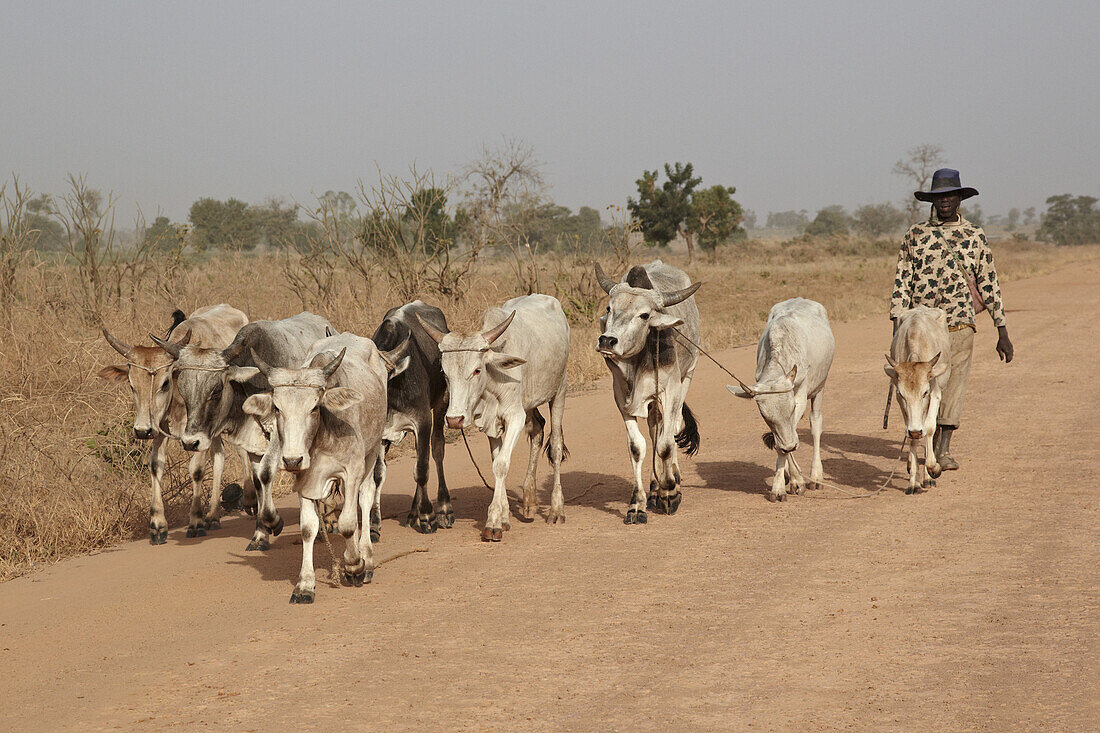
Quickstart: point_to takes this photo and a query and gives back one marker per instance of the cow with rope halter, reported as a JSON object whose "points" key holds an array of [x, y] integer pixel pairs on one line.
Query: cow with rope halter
{"points": [[792, 364], [651, 369], [328, 419], [159, 413], [213, 384]]}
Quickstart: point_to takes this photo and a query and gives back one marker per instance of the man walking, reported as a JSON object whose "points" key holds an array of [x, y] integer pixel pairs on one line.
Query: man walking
{"points": [[946, 263]]}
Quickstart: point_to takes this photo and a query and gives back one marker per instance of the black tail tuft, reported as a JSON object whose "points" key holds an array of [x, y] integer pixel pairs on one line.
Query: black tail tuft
{"points": [[564, 452], [769, 440], [178, 317], [688, 438]]}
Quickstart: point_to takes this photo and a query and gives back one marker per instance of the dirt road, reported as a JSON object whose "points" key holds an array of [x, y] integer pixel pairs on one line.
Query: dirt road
{"points": [[973, 606]]}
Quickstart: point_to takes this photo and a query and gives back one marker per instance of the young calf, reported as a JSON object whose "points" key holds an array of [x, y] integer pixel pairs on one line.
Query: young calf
{"points": [[497, 379], [158, 411], [328, 419], [919, 368], [792, 364]]}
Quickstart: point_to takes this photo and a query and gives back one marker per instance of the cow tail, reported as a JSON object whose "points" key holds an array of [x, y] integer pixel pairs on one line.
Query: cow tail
{"points": [[178, 317], [688, 438]]}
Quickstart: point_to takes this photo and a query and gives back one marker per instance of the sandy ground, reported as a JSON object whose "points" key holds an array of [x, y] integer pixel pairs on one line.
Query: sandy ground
{"points": [[971, 607]]}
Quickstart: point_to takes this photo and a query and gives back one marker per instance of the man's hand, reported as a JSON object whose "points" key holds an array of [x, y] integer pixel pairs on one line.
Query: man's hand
{"points": [[1004, 345]]}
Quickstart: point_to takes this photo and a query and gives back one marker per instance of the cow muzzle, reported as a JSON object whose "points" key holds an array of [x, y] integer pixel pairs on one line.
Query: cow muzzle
{"points": [[190, 444], [915, 434], [456, 423], [292, 463], [143, 433], [606, 345]]}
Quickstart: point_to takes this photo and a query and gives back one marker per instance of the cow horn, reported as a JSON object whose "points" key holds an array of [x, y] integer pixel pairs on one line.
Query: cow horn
{"points": [[333, 365], [262, 365], [494, 333], [185, 340], [431, 330], [117, 345], [605, 282], [396, 354], [678, 296], [173, 349]]}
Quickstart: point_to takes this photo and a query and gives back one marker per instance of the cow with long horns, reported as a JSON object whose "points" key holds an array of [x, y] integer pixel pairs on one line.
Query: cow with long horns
{"points": [[159, 414], [643, 343], [497, 379]]}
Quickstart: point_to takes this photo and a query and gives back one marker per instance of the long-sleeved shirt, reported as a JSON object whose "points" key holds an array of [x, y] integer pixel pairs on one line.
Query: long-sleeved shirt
{"points": [[929, 273]]}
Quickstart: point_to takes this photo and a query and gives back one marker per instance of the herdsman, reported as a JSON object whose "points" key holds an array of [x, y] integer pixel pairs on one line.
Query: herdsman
{"points": [[946, 263]]}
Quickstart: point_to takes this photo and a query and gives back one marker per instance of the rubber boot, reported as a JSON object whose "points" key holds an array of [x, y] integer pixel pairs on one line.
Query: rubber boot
{"points": [[943, 449]]}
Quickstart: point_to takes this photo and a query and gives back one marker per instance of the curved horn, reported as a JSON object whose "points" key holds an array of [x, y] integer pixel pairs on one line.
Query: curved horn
{"points": [[431, 330], [119, 346], [678, 296], [494, 333], [231, 352], [605, 282], [333, 365], [173, 349], [260, 363]]}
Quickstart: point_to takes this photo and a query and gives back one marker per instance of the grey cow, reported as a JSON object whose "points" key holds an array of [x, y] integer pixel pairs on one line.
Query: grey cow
{"points": [[651, 371], [214, 383], [158, 411], [416, 402], [497, 379], [792, 364], [328, 417]]}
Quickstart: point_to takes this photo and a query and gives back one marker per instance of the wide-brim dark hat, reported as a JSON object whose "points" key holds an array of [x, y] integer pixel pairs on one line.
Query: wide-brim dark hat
{"points": [[946, 180]]}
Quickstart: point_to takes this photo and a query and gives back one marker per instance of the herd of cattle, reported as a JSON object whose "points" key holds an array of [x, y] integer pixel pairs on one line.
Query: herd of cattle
{"points": [[325, 406]]}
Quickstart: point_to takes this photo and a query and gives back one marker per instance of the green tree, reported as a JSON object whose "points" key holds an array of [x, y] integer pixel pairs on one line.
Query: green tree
{"points": [[1070, 219], [1029, 216], [41, 216], [878, 220], [832, 221], [714, 216], [663, 212], [162, 234], [277, 221], [229, 223], [796, 220], [427, 209], [1013, 218]]}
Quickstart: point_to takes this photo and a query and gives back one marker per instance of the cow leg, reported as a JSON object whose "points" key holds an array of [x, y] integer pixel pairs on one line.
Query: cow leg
{"points": [[636, 510], [557, 454], [779, 481], [364, 571], [212, 520], [499, 515], [420, 513], [195, 468], [932, 466], [444, 512], [817, 473], [306, 588], [914, 469], [158, 525], [249, 502], [667, 471], [268, 521], [536, 428], [376, 508]]}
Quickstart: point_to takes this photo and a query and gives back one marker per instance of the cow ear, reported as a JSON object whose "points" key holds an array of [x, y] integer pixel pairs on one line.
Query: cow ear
{"points": [[661, 321], [890, 371], [791, 374], [506, 361], [114, 373], [397, 367], [258, 405], [242, 374], [341, 398], [738, 392]]}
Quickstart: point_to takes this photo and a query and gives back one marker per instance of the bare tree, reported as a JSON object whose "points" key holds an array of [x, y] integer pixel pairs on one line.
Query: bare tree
{"points": [[918, 167], [17, 236], [310, 261]]}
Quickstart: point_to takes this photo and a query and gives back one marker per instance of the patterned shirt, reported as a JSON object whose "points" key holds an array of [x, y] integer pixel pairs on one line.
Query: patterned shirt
{"points": [[929, 272]]}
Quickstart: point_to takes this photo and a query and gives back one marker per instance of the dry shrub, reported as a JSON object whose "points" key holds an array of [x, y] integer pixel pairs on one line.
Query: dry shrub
{"points": [[71, 475]]}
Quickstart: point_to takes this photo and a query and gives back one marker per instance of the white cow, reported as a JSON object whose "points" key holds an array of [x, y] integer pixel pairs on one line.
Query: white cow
{"points": [[792, 364], [329, 416], [497, 379], [919, 367]]}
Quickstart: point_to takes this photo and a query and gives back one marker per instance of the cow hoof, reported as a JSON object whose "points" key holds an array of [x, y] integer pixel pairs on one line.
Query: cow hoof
{"points": [[669, 504], [530, 511], [491, 534], [799, 489], [231, 497], [444, 518], [375, 534], [555, 518], [812, 485], [773, 496], [636, 516], [302, 596], [158, 536], [212, 524], [929, 483], [331, 528], [357, 579], [258, 546], [651, 497], [934, 471], [422, 523], [912, 490], [196, 532]]}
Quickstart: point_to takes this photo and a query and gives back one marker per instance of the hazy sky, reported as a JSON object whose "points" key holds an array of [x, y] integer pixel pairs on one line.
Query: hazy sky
{"points": [[797, 105]]}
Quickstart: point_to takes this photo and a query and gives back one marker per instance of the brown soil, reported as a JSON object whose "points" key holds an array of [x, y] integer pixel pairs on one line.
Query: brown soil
{"points": [[973, 606]]}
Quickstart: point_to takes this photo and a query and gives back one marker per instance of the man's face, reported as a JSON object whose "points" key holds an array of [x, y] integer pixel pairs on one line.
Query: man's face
{"points": [[947, 205]]}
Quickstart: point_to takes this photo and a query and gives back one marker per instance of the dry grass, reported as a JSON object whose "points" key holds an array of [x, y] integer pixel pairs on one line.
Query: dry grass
{"points": [[71, 476]]}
